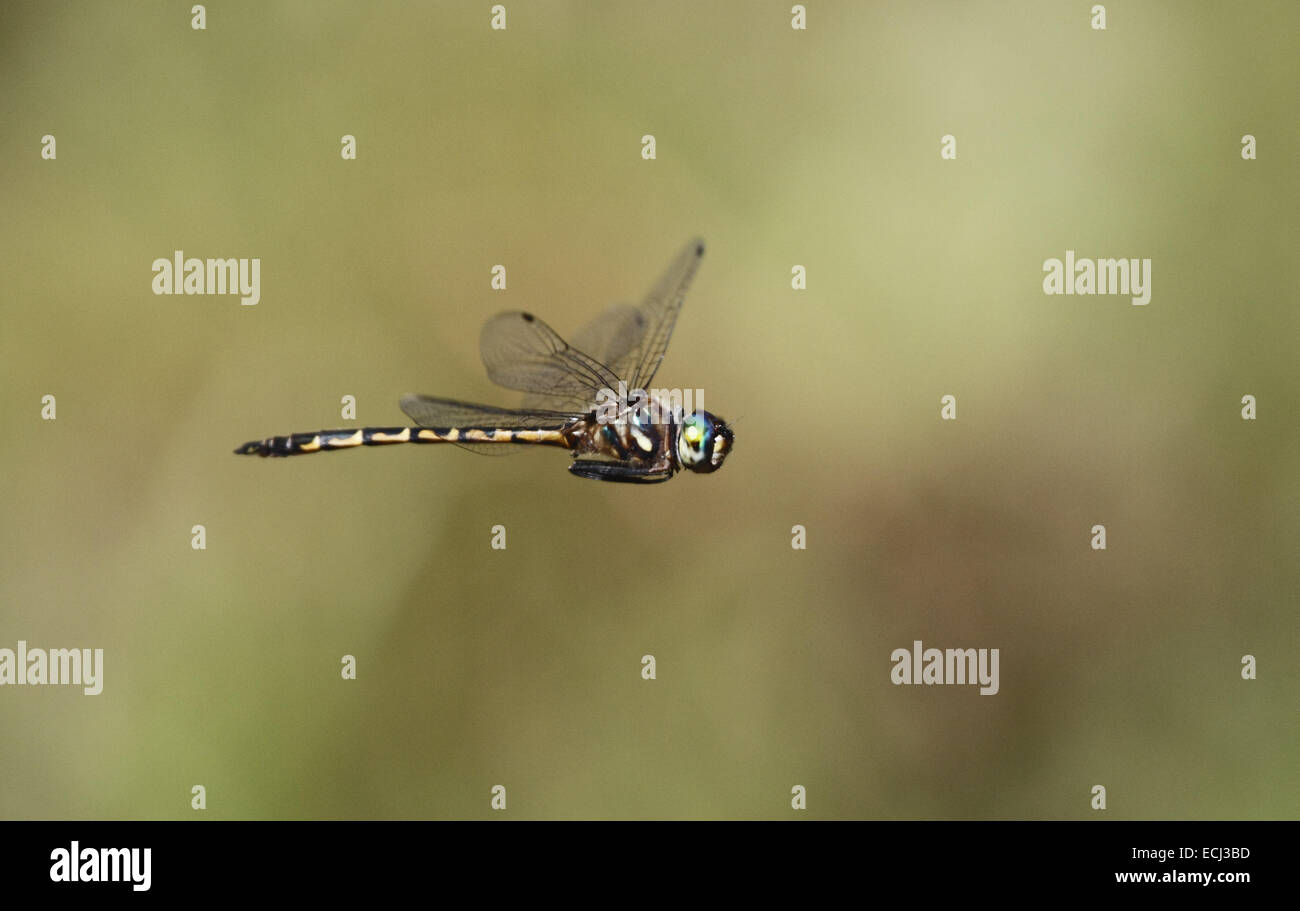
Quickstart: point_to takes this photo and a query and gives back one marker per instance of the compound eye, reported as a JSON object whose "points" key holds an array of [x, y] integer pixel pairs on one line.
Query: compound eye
{"points": [[695, 434], [693, 445]]}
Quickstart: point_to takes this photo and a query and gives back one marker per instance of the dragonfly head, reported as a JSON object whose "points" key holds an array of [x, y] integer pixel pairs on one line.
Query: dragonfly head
{"points": [[704, 442]]}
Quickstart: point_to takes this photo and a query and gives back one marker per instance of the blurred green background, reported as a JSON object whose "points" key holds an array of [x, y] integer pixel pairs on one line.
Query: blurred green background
{"points": [[522, 667]]}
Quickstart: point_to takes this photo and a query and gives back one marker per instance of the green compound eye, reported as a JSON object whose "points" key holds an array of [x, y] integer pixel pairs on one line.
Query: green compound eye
{"points": [[703, 442]]}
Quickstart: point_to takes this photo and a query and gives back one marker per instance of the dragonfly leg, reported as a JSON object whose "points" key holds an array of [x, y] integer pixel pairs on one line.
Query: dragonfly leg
{"points": [[628, 472]]}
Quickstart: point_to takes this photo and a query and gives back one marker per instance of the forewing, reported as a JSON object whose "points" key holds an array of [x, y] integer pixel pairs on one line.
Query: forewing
{"points": [[631, 341], [612, 337], [521, 352]]}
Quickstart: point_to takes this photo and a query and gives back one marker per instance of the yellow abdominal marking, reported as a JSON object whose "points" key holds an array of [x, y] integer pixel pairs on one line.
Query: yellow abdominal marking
{"points": [[482, 436], [451, 435], [476, 435], [313, 446], [402, 437], [355, 440]]}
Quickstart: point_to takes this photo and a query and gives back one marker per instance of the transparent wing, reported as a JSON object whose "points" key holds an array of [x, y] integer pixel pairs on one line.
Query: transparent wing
{"points": [[631, 341], [521, 352], [428, 411], [444, 414], [611, 337]]}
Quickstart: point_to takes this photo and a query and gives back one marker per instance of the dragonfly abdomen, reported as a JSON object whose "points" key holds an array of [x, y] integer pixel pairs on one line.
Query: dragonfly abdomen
{"points": [[330, 440]]}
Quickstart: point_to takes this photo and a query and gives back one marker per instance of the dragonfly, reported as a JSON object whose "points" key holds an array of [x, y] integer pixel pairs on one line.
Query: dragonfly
{"points": [[589, 397]]}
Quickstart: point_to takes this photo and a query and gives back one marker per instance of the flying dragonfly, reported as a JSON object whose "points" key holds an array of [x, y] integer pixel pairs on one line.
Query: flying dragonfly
{"points": [[577, 396]]}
